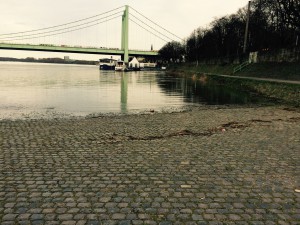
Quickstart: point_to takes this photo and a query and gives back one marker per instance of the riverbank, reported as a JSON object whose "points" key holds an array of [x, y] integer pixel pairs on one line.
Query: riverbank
{"points": [[283, 71], [281, 92], [208, 164]]}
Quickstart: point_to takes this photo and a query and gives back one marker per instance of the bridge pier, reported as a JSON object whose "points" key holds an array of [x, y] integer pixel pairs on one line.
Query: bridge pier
{"points": [[125, 30]]}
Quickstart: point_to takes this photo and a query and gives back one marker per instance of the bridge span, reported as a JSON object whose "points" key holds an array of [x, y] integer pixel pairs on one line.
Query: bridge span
{"points": [[23, 40], [69, 49]]}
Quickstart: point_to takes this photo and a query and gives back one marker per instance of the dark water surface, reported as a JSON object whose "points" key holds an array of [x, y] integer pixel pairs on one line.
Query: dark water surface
{"points": [[31, 90]]}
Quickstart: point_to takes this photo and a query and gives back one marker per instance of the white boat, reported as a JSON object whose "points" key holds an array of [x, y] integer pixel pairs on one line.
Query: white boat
{"points": [[120, 66]]}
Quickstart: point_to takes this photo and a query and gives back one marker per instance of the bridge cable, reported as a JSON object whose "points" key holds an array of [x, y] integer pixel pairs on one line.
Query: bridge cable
{"points": [[65, 31], [148, 30], [157, 24], [151, 27], [47, 28], [34, 34]]}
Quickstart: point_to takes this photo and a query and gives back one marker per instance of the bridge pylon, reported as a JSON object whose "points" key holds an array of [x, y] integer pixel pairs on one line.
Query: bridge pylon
{"points": [[125, 30]]}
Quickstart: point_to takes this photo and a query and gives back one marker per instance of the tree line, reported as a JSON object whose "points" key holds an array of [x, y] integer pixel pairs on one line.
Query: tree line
{"points": [[273, 24]]}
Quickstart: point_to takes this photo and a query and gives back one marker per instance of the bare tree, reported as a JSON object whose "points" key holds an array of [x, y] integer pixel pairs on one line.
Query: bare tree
{"points": [[290, 11], [273, 24]]}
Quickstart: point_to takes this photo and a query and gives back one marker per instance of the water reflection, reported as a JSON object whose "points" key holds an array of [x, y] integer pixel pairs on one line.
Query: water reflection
{"points": [[28, 90], [205, 92], [124, 88]]}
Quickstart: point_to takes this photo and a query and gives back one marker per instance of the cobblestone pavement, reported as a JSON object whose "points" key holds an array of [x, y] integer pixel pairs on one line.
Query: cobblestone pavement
{"points": [[204, 166]]}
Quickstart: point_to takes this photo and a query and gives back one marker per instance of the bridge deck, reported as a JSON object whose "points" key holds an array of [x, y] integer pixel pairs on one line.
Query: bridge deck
{"points": [[68, 49]]}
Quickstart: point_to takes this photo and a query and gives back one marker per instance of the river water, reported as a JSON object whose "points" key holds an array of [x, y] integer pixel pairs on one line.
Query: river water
{"points": [[32, 90]]}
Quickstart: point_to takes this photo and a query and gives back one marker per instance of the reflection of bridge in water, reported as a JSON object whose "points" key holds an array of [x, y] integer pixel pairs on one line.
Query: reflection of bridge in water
{"points": [[124, 92], [8, 41]]}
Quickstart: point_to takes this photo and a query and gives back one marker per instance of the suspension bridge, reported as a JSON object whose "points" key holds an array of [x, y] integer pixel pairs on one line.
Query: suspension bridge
{"points": [[127, 14]]}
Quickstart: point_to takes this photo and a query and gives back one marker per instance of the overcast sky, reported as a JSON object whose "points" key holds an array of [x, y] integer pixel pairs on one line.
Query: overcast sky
{"points": [[180, 17]]}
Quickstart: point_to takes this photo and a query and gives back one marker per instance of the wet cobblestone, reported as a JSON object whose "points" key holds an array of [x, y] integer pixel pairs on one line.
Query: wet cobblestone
{"points": [[204, 166]]}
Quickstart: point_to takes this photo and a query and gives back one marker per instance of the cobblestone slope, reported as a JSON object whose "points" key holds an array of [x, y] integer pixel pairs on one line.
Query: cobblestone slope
{"points": [[230, 165]]}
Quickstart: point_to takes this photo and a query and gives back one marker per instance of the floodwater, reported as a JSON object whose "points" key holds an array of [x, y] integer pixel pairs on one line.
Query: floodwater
{"points": [[32, 90]]}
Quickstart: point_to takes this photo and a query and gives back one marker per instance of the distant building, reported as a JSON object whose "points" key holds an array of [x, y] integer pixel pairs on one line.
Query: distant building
{"points": [[148, 65], [67, 58], [141, 59], [134, 63], [141, 63]]}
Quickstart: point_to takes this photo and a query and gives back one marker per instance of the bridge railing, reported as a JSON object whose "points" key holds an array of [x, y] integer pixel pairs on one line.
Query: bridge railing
{"points": [[74, 46]]}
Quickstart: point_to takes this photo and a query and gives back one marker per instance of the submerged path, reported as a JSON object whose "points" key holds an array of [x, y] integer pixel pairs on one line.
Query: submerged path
{"points": [[209, 165], [258, 79]]}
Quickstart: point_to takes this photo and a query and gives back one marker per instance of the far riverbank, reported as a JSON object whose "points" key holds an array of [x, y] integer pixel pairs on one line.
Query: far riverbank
{"points": [[48, 60]]}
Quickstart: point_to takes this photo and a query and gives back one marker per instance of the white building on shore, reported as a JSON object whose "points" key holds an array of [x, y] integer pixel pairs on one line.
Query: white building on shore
{"points": [[134, 63]]}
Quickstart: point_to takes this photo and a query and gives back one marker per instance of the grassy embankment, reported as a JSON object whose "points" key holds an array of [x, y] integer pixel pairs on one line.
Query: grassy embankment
{"points": [[284, 71], [283, 93]]}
